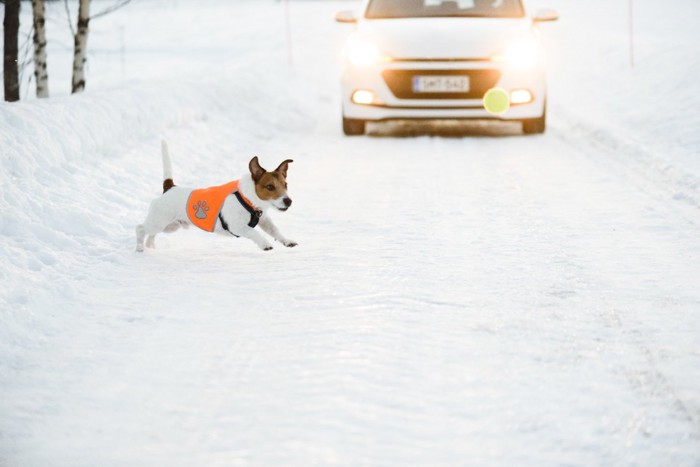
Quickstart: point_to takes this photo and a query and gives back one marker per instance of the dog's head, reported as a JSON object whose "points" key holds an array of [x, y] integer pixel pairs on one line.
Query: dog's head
{"points": [[271, 186]]}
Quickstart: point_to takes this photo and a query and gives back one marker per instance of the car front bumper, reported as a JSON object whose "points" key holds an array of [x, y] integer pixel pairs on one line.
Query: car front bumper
{"points": [[387, 106]]}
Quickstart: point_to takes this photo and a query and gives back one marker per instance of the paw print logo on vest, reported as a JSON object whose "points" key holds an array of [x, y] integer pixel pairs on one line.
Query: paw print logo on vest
{"points": [[201, 209]]}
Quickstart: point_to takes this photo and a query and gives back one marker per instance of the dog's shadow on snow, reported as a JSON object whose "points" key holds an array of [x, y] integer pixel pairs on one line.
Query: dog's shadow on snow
{"points": [[445, 128]]}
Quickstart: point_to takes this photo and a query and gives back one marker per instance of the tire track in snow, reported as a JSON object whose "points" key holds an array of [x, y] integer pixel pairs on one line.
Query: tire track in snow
{"points": [[634, 165], [615, 151], [649, 382]]}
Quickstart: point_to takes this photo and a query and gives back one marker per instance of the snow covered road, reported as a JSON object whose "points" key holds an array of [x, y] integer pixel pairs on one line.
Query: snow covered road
{"points": [[461, 295]]}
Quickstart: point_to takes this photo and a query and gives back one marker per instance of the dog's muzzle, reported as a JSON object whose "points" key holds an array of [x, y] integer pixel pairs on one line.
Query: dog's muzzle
{"points": [[287, 202]]}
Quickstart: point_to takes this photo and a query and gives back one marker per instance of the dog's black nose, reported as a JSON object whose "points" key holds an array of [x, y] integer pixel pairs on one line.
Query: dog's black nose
{"points": [[287, 201]]}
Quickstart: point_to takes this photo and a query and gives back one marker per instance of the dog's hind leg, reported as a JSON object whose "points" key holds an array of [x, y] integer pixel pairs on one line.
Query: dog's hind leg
{"points": [[140, 234], [151, 228], [173, 226], [156, 222], [151, 241]]}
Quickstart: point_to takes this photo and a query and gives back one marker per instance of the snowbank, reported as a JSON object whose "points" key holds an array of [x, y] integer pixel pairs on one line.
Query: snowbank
{"points": [[646, 109]]}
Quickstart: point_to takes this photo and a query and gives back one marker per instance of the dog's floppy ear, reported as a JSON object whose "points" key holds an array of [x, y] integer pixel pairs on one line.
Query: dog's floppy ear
{"points": [[283, 167], [255, 170]]}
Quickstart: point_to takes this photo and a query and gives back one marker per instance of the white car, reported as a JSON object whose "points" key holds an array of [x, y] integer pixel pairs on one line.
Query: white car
{"points": [[436, 59]]}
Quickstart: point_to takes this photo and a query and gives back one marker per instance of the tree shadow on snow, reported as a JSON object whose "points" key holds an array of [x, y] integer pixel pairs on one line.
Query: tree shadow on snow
{"points": [[445, 128]]}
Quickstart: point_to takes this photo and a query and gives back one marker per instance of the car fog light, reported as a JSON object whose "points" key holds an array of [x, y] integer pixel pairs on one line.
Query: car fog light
{"points": [[520, 96], [363, 96]]}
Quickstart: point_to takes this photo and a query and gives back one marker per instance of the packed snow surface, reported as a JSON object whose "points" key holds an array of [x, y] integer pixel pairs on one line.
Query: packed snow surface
{"points": [[461, 294]]}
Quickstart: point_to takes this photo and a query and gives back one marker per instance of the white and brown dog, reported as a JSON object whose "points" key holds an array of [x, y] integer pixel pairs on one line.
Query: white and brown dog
{"points": [[232, 209]]}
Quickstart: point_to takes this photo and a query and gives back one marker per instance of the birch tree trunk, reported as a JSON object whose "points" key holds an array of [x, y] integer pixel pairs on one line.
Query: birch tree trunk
{"points": [[40, 73], [80, 53], [10, 68]]}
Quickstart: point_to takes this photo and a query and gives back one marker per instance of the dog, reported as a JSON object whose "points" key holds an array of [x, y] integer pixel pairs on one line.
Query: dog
{"points": [[233, 209]]}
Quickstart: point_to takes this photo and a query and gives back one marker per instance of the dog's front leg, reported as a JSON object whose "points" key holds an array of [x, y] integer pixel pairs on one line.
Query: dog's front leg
{"points": [[255, 236], [272, 230]]}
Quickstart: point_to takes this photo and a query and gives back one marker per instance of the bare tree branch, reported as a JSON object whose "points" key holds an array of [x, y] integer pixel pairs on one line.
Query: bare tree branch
{"points": [[70, 24], [116, 6], [26, 45]]}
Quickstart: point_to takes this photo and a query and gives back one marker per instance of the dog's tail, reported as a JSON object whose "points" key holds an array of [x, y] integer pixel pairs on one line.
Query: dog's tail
{"points": [[168, 182]]}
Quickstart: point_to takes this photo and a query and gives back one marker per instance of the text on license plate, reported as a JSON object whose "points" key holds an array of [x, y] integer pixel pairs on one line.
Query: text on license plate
{"points": [[441, 84]]}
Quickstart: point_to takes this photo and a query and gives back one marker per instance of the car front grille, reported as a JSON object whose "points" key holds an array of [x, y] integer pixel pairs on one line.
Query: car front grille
{"points": [[400, 83]]}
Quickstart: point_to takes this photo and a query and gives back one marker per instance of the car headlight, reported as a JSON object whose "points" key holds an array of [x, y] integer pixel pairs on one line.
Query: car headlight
{"points": [[521, 55], [362, 53]]}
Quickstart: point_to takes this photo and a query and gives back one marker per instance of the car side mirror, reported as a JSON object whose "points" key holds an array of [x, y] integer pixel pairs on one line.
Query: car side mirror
{"points": [[545, 15], [347, 16]]}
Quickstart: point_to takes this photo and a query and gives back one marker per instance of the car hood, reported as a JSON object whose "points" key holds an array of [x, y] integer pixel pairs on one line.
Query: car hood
{"points": [[442, 38]]}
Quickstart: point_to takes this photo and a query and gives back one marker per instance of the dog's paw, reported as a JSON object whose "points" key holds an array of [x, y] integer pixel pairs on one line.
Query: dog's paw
{"points": [[139, 249], [286, 242], [263, 244]]}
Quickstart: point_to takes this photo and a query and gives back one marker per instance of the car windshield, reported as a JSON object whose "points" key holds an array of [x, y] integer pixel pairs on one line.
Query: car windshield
{"points": [[382, 9]]}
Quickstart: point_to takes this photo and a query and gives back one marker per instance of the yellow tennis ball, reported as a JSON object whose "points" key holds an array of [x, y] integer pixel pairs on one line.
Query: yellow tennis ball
{"points": [[496, 101]]}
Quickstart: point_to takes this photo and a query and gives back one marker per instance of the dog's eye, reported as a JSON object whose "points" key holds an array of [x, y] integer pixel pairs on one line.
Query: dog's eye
{"points": [[270, 187]]}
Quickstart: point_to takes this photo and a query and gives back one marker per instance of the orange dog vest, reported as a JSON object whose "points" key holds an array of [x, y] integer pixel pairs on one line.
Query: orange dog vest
{"points": [[204, 206]]}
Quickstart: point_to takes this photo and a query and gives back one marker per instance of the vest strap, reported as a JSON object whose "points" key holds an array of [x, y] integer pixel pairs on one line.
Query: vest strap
{"points": [[224, 224], [255, 214]]}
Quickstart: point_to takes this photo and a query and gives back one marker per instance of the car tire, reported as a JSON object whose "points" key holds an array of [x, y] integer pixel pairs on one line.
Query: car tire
{"points": [[535, 126], [353, 127]]}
